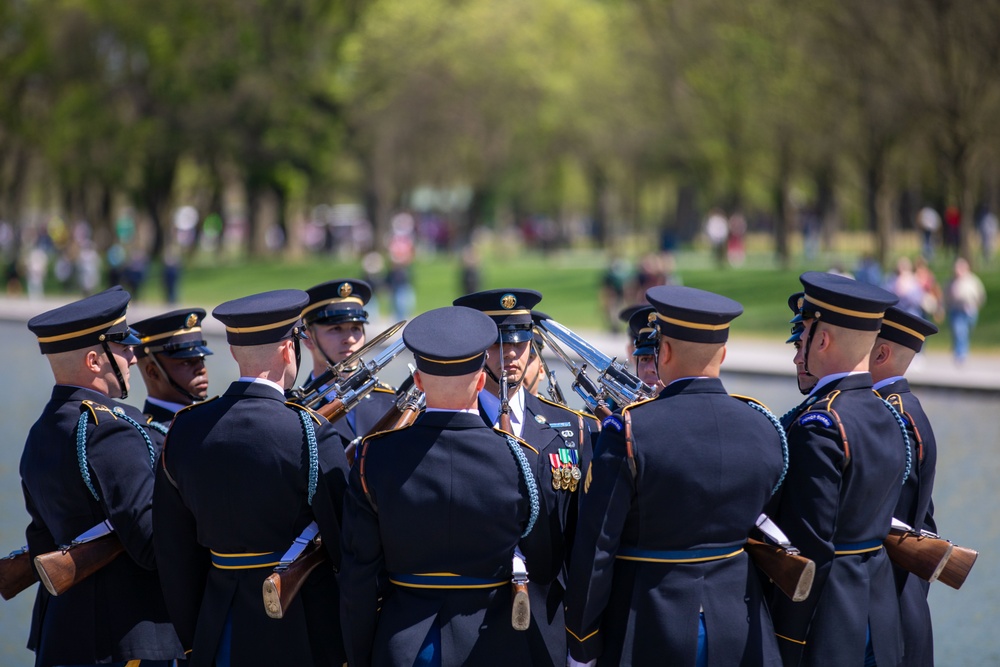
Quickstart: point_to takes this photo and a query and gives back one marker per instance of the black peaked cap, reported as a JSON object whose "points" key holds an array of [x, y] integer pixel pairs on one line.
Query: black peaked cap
{"points": [[450, 341], [89, 321], [691, 314], [262, 318]]}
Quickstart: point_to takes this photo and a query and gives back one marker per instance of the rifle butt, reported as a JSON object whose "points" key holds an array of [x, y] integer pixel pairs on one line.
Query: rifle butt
{"points": [[919, 554], [520, 612], [16, 573], [62, 569], [283, 585], [792, 573], [957, 569]]}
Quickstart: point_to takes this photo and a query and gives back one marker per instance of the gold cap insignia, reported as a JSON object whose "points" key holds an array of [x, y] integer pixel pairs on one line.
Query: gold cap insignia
{"points": [[345, 290], [508, 301], [801, 300], [652, 317], [191, 320]]}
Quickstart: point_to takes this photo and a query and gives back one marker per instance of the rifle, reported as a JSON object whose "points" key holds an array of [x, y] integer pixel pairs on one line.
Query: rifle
{"points": [[790, 571], [16, 573], [520, 610], [312, 393], [593, 397], [350, 392], [403, 412], [921, 553], [623, 386], [504, 416], [67, 566], [553, 389], [958, 566], [285, 582]]}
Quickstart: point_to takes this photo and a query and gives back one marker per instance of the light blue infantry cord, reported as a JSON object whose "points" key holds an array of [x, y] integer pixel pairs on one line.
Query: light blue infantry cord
{"points": [[906, 438], [81, 453], [81, 446], [786, 418], [310, 430], [784, 441], [529, 480], [159, 427]]}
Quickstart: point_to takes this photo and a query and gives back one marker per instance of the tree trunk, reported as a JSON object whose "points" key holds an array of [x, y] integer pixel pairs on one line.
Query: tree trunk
{"points": [[782, 212]]}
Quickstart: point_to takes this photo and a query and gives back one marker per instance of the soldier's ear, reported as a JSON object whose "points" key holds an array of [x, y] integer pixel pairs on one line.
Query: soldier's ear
{"points": [[480, 381], [92, 361]]}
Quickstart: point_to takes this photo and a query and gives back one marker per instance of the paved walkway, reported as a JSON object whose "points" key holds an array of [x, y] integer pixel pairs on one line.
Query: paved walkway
{"points": [[745, 355]]}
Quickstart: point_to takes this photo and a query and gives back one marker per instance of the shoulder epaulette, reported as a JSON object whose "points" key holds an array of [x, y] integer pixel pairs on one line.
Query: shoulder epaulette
{"points": [[523, 443], [564, 407], [896, 401], [750, 399], [317, 417], [186, 408], [95, 408], [361, 462]]}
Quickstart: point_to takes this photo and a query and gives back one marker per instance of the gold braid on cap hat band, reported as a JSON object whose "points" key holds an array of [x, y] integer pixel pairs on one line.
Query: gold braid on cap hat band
{"points": [[506, 312], [83, 332], [169, 334], [263, 327], [692, 325], [843, 311], [351, 299], [450, 361], [916, 334]]}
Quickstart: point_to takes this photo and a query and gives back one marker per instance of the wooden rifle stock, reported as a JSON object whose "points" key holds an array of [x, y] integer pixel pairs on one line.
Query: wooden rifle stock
{"points": [[520, 611], [922, 554], [62, 569], [958, 566], [282, 585], [333, 410], [791, 572], [16, 573]]}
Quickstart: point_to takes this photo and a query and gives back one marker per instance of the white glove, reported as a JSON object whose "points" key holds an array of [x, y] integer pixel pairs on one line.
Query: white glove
{"points": [[570, 662]]}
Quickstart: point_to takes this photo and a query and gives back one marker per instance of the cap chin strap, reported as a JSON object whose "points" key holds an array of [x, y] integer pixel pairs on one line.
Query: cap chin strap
{"points": [[510, 385], [809, 341], [173, 383], [118, 371], [298, 355]]}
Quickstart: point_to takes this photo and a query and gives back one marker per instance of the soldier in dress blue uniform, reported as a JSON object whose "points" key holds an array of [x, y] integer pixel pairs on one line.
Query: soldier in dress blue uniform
{"points": [[642, 343], [562, 438], [87, 460], [433, 515], [847, 460], [902, 336], [805, 380], [171, 359], [335, 321], [659, 573], [242, 476]]}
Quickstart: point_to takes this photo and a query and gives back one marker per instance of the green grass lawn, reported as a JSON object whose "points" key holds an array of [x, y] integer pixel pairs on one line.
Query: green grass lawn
{"points": [[568, 280]]}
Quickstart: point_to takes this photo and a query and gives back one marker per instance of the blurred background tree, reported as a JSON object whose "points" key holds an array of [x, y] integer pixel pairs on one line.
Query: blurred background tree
{"points": [[609, 119]]}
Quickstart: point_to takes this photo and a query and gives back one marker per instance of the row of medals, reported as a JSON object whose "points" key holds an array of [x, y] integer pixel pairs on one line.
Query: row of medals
{"points": [[566, 477]]}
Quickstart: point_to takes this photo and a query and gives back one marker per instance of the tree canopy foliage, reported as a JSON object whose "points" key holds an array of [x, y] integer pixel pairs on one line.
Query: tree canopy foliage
{"points": [[636, 114]]}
